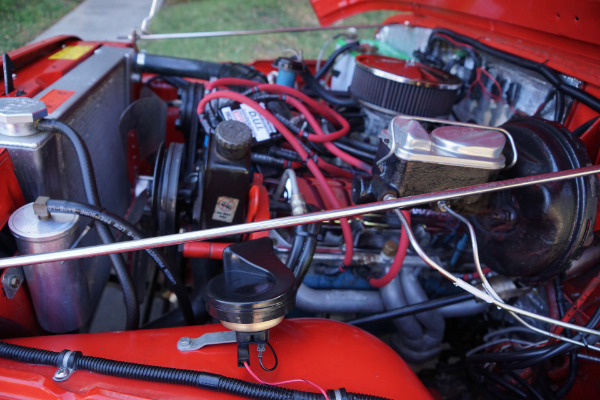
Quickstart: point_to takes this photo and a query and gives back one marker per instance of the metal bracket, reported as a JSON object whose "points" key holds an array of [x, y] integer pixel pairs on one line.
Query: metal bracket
{"points": [[208, 339], [12, 279]]}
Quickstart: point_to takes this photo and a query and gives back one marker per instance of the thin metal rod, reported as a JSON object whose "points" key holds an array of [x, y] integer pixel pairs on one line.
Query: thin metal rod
{"points": [[405, 202], [196, 35]]}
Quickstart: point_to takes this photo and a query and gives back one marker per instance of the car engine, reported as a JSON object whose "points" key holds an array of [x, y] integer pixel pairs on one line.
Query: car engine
{"points": [[425, 186]]}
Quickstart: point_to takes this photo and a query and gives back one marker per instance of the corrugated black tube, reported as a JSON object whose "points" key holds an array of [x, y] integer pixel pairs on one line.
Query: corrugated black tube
{"points": [[151, 373], [27, 354]]}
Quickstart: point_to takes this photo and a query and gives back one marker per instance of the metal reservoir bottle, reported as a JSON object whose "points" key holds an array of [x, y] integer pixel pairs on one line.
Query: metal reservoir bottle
{"points": [[59, 290], [227, 179]]}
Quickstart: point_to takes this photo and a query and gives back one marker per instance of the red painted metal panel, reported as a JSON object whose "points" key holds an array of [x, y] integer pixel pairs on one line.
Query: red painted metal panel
{"points": [[331, 354], [37, 65], [575, 20], [528, 29]]}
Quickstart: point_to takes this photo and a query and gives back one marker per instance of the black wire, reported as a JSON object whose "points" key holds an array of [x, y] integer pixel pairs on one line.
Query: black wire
{"points": [[525, 384], [545, 102], [558, 292], [413, 309], [358, 153], [502, 382], [581, 129], [331, 59], [573, 370], [125, 227], [559, 107], [91, 193], [526, 358], [328, 96], [260, 361]]}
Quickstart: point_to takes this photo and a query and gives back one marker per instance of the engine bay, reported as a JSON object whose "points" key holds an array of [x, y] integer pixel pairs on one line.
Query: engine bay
{"points": [[424, 186]]}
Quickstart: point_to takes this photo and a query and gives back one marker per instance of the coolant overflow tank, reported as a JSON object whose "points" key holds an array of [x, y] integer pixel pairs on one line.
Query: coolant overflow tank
{"points": [[59, 290]]}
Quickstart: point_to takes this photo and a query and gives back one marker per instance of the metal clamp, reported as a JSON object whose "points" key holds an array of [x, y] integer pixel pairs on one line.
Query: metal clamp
{"points": [[66, 365], [12, 279]]}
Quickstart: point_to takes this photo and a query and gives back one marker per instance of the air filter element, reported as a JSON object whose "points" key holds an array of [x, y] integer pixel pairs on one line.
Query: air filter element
{"points": [[397, 86]]}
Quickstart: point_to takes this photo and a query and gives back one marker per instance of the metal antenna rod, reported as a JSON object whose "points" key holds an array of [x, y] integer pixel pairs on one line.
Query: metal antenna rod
{"points": [[179, 238]]}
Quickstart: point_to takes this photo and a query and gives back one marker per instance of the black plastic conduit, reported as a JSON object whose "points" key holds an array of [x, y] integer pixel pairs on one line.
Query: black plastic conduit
{"points": [[121, 225], [204, 380], [91, 193]]}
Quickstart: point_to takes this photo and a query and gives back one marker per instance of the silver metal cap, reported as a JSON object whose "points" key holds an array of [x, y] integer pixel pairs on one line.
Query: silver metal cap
{"points": [[462, 146], [26, 226], [18, 115]]}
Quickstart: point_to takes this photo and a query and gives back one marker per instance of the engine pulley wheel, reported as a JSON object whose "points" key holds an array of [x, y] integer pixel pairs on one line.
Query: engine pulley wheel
{"points": [[166, 184]]}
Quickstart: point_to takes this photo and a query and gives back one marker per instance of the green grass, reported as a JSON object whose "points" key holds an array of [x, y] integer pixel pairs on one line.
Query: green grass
{"points": [[216, 15], [22, 21]]}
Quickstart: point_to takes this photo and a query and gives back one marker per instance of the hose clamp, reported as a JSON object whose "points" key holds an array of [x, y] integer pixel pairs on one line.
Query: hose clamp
{"points": [[66, 365]]}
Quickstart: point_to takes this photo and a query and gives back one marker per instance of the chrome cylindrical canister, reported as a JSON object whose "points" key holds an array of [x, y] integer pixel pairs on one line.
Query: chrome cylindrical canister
{"points": [[59, 290]]}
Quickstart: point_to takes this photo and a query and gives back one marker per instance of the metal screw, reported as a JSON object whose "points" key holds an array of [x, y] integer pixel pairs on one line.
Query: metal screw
{"points": [[14, 282], [61, 373], [184, 341]]}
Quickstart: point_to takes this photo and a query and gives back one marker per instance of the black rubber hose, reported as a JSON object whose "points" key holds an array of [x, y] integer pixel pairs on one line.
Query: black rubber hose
{"points": [[91, 193], [573, 370], [126, 228], [548, 73], [314, 85], [185, 67], [308, 252], [413, 309], [151, 373], [331, 60], [300, 236]]}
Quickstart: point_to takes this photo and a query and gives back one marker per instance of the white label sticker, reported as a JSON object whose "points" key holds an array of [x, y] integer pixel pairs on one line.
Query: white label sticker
{"points": [[261, 128], [225, 209]]}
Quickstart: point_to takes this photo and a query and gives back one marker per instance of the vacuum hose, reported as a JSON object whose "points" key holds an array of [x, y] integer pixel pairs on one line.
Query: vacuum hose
{"points": [[91, 193]]}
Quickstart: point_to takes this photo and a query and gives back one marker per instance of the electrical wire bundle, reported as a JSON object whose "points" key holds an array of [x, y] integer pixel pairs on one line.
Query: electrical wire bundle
{"points": [[298, 139]]}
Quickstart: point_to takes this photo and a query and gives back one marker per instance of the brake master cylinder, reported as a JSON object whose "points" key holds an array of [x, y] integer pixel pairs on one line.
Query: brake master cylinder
{"points": [[411, 161]]}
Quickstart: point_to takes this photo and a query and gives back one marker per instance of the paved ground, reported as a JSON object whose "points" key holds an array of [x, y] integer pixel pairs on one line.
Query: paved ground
{"points": [[109, 20]]}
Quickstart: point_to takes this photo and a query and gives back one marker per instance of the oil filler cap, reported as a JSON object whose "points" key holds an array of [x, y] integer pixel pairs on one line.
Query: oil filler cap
{"points": [[255, 290]]}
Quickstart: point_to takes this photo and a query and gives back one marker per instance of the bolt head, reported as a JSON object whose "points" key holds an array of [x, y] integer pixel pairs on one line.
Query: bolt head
{"points": [[184, 341], [14, 282]]}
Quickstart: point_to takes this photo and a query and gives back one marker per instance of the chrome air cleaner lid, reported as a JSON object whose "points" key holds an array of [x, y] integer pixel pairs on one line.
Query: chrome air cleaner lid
{"points": [[397, 86]]}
